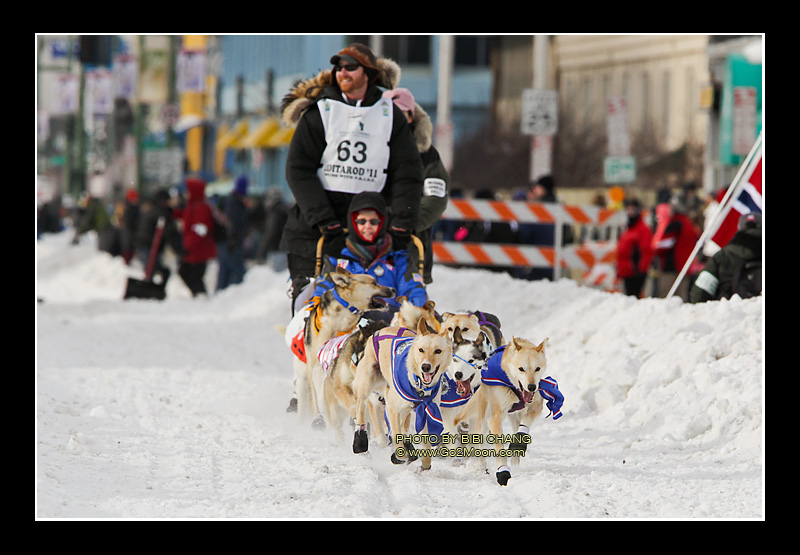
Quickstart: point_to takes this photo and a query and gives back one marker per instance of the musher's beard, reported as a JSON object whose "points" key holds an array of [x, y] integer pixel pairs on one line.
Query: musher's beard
{"points": [[351, 82]]}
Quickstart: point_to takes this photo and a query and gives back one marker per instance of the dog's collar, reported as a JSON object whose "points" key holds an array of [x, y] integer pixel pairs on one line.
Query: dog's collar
{"points": [[422, 391], [344, 303]]}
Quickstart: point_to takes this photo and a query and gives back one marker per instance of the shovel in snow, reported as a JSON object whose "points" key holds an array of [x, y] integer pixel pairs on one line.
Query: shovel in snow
{"points": [[146, 288]]}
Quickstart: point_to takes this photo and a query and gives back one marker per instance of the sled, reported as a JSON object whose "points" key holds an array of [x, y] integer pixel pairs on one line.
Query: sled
{"points": [[146, 288]]}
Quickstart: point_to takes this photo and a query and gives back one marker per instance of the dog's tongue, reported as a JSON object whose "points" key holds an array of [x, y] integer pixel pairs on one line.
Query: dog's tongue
{"points": [[427, 377], [463, 387], [527, 396]]}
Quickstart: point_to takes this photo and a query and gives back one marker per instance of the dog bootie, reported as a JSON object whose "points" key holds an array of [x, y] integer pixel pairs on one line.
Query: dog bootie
{"points": [[520, 440], [503, 475], [408, 449], [360, 442]]}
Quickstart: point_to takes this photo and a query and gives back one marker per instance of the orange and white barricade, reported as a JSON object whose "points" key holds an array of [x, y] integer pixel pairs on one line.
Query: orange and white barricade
{"points": [[579, 256]]}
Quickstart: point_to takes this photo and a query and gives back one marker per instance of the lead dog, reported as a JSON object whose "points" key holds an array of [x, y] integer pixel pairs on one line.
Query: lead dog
{"points": [[509, 383], [338, 386], [337, 312], [411, 365], [475, 337]]}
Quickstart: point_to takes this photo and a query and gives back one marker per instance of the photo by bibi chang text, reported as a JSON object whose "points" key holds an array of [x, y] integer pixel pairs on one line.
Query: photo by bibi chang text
{"points": [[465, 449]]}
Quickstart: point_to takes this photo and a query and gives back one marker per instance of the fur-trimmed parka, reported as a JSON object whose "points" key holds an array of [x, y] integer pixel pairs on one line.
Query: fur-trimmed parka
{"points": [[314, 206], [436, 183]]}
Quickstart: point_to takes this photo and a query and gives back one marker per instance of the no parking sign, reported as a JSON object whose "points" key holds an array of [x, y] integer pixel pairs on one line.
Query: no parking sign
{"points": [[539, 112]]}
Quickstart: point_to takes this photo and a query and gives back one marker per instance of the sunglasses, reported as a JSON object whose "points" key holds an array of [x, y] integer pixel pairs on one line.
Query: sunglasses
{"points": [[373, 221], [349, 67]]}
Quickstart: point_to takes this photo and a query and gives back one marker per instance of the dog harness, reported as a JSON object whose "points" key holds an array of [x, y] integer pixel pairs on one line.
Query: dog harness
{"points": [[493, 374], [426, 411], [297, 344], [344, 303], [330, 350], [483, 320]]}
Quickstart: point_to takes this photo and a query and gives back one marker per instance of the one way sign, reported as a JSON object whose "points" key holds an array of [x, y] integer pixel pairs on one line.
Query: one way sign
{"points": [[539, 112]]}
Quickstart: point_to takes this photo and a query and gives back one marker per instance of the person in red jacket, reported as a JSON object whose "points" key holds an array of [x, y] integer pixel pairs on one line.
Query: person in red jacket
{"points": [[673, 241], [634, 250], [198, 240]]}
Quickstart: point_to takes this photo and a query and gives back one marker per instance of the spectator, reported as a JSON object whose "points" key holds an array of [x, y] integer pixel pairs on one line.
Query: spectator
{"points": [[275, 216], [634, 250], [157, 209], [349, 139], [95, 217], [736, 268], [198, 241], [230, 251], [49, 218], [128, 225], [673, 242]]}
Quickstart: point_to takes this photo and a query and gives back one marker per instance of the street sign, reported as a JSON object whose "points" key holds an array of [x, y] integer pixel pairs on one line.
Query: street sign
{"points": [[744, 120], [619, 169], [617, 124], [539, 112]]}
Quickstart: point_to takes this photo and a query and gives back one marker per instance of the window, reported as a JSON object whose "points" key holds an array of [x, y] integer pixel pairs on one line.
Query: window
{"points": [[403, 49], [472, 51]]}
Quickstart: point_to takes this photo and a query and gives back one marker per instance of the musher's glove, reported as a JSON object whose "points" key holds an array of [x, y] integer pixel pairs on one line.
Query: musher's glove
{"points": [[330, 229], [401, 236]]}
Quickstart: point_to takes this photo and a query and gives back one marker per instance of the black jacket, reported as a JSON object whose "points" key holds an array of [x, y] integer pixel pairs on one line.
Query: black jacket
{"points": [[146, 229], [313, 204], [718, 278]]}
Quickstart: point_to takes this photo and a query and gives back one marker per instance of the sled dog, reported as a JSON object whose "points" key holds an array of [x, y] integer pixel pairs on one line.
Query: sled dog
{"points": [[411, 365], [509, 383], [338, 386], [475, 336], [337, 313], [337, 389], [473, 324], [409, 315], [490, 330]]}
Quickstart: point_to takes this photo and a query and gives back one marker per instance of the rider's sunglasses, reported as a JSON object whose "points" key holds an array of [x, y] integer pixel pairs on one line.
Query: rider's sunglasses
{"points": [[373, 221], [349, 67]]}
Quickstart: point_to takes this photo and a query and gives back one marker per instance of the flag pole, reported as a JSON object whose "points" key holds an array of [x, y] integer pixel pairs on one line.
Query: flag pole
{"points": [[735, 184]]}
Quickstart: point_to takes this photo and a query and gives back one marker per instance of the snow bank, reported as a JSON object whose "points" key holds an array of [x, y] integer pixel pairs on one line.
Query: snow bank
{"points": [[176, 409]]}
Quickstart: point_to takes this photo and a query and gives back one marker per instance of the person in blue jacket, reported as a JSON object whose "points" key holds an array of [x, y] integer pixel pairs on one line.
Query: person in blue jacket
{"points": [[367, 249]]}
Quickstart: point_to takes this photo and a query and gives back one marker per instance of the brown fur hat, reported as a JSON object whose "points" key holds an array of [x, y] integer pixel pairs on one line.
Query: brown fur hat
{"points": [[360, 54]]}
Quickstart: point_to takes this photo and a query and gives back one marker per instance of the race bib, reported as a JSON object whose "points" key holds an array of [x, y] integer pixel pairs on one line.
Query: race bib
{"points": [[357, 152]]}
